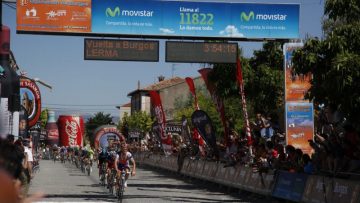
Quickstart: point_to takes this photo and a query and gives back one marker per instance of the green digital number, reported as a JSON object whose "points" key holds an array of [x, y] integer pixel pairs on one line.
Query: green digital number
{"points": [[196, 18]]}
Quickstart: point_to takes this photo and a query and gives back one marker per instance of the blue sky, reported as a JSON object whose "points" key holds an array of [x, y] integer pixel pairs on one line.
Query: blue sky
{"points": [[87, 87]]}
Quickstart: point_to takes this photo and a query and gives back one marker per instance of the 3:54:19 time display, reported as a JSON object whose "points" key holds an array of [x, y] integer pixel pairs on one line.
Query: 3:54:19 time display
{"points": [[196, 18]]}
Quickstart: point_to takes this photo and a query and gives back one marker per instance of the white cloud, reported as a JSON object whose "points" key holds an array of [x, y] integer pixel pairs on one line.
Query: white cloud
{"points": [[166, 31], [231, 31]]}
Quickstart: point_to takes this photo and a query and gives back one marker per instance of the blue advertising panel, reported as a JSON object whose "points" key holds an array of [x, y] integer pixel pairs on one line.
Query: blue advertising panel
{"points": [[300, 125], [195, 19], [290, 186]]}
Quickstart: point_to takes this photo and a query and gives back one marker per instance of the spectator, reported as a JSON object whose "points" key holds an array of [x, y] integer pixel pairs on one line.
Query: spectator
{"points": [[307, 164]]}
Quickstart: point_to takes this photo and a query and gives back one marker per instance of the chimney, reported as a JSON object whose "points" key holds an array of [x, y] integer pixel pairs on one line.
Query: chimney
{"points": [[138, 84], [161, 78]]}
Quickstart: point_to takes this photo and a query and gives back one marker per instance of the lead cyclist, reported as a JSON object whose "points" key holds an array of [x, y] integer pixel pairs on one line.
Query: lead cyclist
{"points": [[122, 162]]}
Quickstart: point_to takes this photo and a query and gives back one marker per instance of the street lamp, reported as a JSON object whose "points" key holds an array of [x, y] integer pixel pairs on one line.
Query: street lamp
{"points": [[43, 83]]}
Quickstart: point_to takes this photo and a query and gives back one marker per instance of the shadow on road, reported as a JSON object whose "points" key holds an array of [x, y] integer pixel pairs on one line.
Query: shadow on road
{"points": [[86, 196]]}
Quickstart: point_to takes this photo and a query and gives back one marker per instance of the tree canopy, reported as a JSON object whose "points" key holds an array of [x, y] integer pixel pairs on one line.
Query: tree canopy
{"points": [[334, 60]]}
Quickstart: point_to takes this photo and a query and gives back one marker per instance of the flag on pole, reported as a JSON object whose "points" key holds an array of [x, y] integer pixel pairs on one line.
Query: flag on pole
{"points": [[160, 117], [191, 85], [217, 100], [239, 77]]}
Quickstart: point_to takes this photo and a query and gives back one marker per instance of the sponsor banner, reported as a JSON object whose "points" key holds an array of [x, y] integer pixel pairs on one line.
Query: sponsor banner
{"points": [[203, 124], [161, 121], [30, 97], [290, 186], [107, 134], [72, 16], [173, 128], [134, 133], [161, 18], [296, 85], [196, 19], [300, 125], [190, 83], [219, 104]]}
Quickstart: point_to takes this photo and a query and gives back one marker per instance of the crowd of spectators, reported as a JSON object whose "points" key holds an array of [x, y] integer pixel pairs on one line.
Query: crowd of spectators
{"points": [[16, 160], [336, 152]]}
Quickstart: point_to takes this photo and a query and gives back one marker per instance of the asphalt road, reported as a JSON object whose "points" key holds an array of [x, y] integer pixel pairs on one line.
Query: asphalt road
{"points": [[66, 183]]}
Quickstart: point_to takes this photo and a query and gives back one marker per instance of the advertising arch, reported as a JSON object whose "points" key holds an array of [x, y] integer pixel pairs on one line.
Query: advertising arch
{"points": [[106, 134]]}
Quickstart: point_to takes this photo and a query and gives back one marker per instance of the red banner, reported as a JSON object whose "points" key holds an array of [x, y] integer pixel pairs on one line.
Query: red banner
{"points": [[239, 77], [216, 99], [160, 117], [191, 85]]}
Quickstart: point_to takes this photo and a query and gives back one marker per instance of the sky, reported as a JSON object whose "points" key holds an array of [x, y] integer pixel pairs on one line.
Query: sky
{"points": [[86, 87]]}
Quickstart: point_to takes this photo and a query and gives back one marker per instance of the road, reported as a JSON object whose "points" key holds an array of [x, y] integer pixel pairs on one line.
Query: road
{"points": [[66, 183]]}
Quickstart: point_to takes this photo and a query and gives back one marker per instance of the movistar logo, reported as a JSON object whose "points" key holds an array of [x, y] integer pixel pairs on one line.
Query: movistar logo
{"points": [[112, 13], [259, 16], [132, 13], [247, 17]]}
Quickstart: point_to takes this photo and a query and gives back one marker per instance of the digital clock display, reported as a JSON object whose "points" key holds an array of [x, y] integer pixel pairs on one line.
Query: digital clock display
{"points": [[201, 52]]}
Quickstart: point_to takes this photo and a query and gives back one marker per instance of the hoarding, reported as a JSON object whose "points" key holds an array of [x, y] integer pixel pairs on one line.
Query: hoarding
{"points": [[296, 85], [300, 125], [162, 19], [69, 16], [201, 52], [121, 50]]}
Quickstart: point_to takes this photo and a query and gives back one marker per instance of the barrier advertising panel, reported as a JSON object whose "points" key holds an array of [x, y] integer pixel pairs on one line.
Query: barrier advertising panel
{"points": [[290, 186], [161, 18], [300, 125]]}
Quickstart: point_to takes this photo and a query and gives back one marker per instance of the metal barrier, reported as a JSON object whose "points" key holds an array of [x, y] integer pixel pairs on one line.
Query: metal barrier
{"points": [[292, 186]]}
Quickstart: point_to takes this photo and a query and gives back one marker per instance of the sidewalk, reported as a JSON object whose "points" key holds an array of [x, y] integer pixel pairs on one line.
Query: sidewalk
{"points": [[66, 183]]}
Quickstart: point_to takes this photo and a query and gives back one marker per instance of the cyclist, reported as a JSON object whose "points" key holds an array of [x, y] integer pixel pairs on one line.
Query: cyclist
{"points": [[103, 155], [122, 163]]}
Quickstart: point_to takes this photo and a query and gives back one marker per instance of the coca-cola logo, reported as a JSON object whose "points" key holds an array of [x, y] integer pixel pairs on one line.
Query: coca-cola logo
{"points": [[54, 133], [71, 129]]}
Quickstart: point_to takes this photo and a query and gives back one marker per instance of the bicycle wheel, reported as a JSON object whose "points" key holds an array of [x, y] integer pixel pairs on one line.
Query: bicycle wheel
{"points": [[120, 190]]}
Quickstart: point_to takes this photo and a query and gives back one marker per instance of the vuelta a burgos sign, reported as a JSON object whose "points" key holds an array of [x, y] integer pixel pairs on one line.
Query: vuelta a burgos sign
{"points": [[30, 99], [105, 135]]}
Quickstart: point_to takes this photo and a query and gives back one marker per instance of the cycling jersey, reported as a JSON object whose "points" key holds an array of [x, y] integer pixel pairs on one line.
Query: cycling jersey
{"points": [[123, 162]]}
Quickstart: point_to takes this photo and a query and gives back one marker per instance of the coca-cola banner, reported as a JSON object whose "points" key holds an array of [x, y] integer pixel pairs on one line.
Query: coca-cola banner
{"points": [[160, 117], [30, 99], [216, 99], [203, 124], [107, 134], [71, 130]]}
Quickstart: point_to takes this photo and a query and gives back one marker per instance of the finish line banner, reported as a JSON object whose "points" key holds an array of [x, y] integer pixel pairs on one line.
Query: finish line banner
{"points": [[163, 19]]}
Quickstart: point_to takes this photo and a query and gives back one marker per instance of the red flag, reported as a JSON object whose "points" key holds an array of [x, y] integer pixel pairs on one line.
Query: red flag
{"points": [[191, 85], [160, 117], [216, 99], [239, 76]]}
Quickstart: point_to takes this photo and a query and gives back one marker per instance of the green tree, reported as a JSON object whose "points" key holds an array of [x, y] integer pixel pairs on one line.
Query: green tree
{"points": [[263, 81], [96, 121], [44, 117], [265, 86], [139, 120], [334, 60]]}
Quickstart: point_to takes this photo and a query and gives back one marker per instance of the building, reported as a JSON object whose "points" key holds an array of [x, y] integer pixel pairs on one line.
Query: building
{"points": [[126, 108], [170, 90]]}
